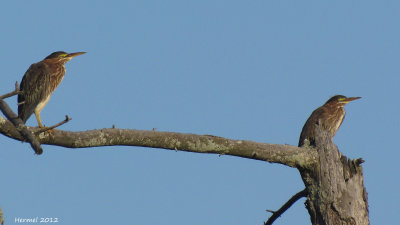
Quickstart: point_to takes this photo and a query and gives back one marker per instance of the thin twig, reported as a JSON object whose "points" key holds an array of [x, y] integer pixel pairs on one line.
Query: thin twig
{"points": [[287, 205], [54, 126], [15, 92]]}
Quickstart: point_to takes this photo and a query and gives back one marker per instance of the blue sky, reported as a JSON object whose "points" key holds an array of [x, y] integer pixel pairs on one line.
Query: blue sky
{"points": [[251, 70]]}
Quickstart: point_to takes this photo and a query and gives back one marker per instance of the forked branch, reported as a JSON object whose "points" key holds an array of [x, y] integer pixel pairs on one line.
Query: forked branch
{"points": [[18, 124]]}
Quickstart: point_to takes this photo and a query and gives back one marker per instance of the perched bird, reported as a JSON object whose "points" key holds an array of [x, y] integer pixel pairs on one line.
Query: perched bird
{"points": [[330, 116], [39, 82]]}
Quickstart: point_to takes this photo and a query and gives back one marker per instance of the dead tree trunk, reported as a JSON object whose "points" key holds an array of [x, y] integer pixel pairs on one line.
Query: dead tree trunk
{"points": [[335, 185]]}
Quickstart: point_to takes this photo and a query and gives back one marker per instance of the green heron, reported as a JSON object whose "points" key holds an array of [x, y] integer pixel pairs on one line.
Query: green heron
{"points": [[39, 82], [330, 116]]}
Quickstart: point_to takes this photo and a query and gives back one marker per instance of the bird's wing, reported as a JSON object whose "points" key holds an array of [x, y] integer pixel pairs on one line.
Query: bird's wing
{"points": [[308, 128], [33, 86]]}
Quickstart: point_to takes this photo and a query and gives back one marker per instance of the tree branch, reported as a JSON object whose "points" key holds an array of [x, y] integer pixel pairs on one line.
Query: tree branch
{"points": [[286, 206], [20, 127], [18, 123], [284, 154]]}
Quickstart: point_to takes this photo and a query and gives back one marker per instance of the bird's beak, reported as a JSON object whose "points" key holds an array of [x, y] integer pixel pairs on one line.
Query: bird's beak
{"points": [[71, 55], [347, 100]]}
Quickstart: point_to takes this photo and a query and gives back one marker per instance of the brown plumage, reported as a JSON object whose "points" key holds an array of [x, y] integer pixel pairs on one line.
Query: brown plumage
{"points": [[330, 116], [39, 82]]}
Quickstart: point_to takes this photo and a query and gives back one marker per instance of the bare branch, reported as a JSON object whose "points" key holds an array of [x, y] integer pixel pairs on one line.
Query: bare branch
{"points": [[18, 123], [19, 127], [287, 205], [283, 154]]}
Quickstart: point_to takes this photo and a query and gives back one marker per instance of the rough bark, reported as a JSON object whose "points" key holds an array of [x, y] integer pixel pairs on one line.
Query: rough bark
{"points": [[284, 154], [336, 186]]}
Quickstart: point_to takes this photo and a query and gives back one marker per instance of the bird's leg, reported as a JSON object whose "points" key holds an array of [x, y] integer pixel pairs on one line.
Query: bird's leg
{"points": [[37, 115]]}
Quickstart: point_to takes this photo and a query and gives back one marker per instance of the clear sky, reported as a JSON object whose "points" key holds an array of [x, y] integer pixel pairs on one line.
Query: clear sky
{"points": [[251, 70]]}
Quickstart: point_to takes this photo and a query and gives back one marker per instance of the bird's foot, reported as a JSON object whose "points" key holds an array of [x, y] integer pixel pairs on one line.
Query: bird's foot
{"points": [[46, 130], [50, 131]]}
